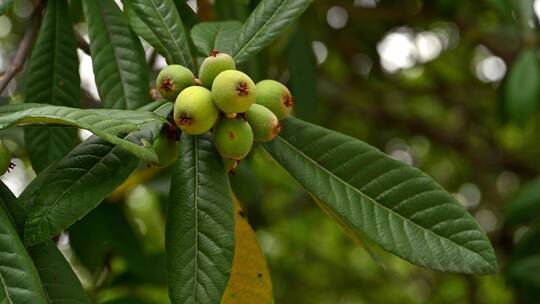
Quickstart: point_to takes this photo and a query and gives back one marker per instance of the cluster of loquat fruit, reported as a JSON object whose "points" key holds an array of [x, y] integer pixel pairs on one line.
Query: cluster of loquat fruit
{"points": [[225, 102]]}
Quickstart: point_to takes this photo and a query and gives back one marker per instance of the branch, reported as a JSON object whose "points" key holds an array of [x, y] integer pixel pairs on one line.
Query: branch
{"points": [[24, 48]]}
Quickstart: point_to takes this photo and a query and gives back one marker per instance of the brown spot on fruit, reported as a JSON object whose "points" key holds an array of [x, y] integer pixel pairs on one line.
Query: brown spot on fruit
{"points": [[259, 275], [241, 213], [231, 135]]}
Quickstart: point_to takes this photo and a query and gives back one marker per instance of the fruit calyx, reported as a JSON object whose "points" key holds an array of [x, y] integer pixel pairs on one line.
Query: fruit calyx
{"points": [[288, 100], [214, 53], [185, 120], [166, 85], [276, 129], [242, 89]]}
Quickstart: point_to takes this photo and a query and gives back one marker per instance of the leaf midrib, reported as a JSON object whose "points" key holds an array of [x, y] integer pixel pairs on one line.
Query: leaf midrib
{"points": [[148, 31], [113, 47], [173, 39], [373, 201], [48, 133], [5, 288], [196, 203]]}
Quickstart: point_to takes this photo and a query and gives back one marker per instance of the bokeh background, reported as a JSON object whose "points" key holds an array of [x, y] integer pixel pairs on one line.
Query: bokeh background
{"points": [[436, 84]]}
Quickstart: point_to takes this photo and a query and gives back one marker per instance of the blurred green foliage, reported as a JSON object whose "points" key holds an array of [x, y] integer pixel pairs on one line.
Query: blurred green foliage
{"points": [[428, 82]]}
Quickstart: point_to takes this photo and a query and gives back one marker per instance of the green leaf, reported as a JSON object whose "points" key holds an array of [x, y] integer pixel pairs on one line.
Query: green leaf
{"points": [[163, 23], [199, 237], [525, 206], [265, 24], [127, 300], [105, 123], [393, 204], [19, 279], [53, 75], [208, 36], [232, 9], [61, 284], [303, 75], [143, 30], [80, 181], [521, 90], [189, 17], [105, 232], [118, 58], [99, 234]]}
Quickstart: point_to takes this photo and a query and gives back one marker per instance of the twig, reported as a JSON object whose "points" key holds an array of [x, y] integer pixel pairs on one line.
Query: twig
{"points": [[24, 48]]}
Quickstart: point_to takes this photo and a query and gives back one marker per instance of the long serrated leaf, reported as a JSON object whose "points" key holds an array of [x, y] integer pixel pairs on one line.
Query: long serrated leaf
{"points": [[522, 92], [52, 75], [208, 36], [143, 30], [525, 206], [78, 183], [105, 123], [164, 23], [265, 24], [19, 278], [199, 238], [393, 204], [81, 180], [118, 58], [61, 284]]}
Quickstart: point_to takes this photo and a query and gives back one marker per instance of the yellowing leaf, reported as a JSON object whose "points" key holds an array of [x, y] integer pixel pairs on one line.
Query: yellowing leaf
{"points": [[250, 279]]}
